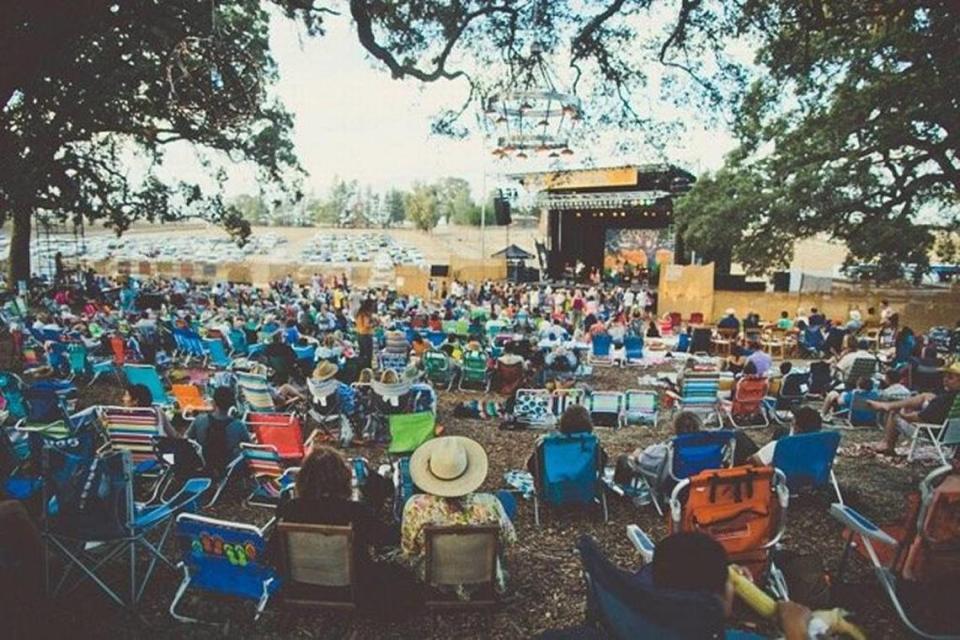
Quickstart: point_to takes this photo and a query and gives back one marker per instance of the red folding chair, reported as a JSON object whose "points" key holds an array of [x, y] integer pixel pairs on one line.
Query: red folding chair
{"points": [[283, 431], [746, 409]]}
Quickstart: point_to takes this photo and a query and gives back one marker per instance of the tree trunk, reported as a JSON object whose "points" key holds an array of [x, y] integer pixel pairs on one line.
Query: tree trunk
{"points": [[18, 267]]}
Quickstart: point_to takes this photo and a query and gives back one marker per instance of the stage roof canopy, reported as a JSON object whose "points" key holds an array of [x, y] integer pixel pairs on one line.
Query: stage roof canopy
{"points": [[643, 177]]}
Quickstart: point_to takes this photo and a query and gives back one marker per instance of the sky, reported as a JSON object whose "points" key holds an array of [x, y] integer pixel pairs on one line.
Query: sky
{"points": [[353, 121]]}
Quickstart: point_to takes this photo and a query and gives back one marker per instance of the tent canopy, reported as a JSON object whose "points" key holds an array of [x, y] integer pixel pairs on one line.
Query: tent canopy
{"points": [[513, 252]]}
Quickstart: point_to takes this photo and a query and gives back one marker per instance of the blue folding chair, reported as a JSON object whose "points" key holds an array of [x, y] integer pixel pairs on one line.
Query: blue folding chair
{"points": [[91, 527], [568, 472], [806, 459], [600, 346], [691, 453], [632, 350], [147, 375], [238, 341], [436, 338], [224, 558], [216, 353], [628, 606]]}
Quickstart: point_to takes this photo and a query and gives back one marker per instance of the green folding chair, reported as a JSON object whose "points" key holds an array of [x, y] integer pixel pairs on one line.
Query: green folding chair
{"points": [[409, 430]]}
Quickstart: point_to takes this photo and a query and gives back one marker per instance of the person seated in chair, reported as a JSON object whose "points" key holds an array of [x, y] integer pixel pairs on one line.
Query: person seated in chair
{"points": [[845, 364], [759, 358], [736, 361], [837, 400], [323, 496], [449, 470], [729, 320], [575, 419], [928, 408], [218, 433], [693, 561], [805, 420], [139, 396]]}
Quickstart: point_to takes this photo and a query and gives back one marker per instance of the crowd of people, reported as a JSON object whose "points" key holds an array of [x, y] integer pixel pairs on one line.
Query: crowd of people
{"points": [[330, 329]]}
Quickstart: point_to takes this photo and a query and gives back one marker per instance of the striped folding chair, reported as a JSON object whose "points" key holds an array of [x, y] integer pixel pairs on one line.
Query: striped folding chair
{"points": [[641, 407], [256, 392], [132, 429], [698, 393], [606, 408], [270, 477]]}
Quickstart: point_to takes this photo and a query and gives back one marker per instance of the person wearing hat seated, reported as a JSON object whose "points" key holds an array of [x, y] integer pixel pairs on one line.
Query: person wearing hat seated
{"points": [[729, 320], [929, 408], [449, 470]]}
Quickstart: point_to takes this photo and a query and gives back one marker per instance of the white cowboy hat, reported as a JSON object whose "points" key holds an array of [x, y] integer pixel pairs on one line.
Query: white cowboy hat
{"points": [[730, 311], [325, 371], [449, 467]]}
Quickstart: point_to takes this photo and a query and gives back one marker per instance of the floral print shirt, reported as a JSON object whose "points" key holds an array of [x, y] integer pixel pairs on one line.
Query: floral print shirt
{"points": [[422, 510]]}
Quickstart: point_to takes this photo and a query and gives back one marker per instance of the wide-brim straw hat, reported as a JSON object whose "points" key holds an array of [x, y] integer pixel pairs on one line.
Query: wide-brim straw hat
{"points": [[953, 369], [449, 467], [325, 371]]}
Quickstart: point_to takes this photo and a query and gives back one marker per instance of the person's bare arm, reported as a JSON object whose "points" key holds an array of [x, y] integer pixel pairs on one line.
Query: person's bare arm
{"points": [[794, 620]]}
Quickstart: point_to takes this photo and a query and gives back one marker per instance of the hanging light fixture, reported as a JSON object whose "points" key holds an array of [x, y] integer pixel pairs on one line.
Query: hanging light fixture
{"points": [[532, 114]]}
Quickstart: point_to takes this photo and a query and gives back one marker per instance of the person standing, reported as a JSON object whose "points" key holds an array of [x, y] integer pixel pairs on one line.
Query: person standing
{"points": [[364, 324]]}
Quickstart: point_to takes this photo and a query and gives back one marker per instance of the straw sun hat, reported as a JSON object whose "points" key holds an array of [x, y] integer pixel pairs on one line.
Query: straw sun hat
{"points": [[325, 371], [449, 467]]}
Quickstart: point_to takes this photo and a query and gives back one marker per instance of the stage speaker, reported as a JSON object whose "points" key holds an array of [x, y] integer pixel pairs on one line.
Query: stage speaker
{"points": [[781, 281], [439, 270], [501, 211]]}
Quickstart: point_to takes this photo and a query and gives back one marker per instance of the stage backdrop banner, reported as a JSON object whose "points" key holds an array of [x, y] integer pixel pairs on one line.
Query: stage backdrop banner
{"points": [[635, 249]]}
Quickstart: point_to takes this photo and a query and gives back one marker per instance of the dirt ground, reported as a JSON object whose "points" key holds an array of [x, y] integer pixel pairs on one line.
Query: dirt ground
{"points": [[545, 587]]}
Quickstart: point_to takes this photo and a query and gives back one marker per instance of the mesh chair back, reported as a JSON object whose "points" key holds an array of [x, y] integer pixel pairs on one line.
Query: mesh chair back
{"points": [[49, 400], [820, 378], [317, 555], [806, 458], [146, 374], [93, 495], [569, 468], [132, 429], [409, 430], [77, 358], [283, 431], [861, 415], [861, 368], [461, 555], [696, 452], [474, 366], [225, 557]]}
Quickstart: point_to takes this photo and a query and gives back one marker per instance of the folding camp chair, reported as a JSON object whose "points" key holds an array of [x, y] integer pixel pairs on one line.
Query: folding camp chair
{"points": [[474, 372], [409, 430], [189, 400], [562, 399], [568, 472], [317, 565], [858, 413], [806, 459], [326, 409], [701, 340], [742, 508], [641, 407], [192, 347], [436, 338], [746, 409], [532, 407], [89, 529], [810, 342], [436, 365], [224, 558], [132, 429], [820, 381], [39, 404], [255, 391], [270, 476], [632, 351], [283, 431], [461, 556], [626, 605], [698, 394], [392, 360], [606, 408], [181, 458], [861, 368], [146, 374], [215, 353], [238, 342], [941, 436], [925, 550], [80, 364], [687, 455], [723, 340], [600, 350]]}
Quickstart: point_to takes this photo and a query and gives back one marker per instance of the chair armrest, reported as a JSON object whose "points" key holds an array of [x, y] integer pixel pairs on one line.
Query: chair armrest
{"points": [[852, 519], [672, 394], [641, 542]]}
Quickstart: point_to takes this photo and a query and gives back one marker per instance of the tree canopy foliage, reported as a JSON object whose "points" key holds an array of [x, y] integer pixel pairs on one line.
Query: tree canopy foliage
{"points": [[853, 133], [846, 118]]}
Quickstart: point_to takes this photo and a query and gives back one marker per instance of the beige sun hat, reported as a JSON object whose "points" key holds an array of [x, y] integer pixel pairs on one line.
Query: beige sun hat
{"points": [[449, 467], [325, 371]]}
